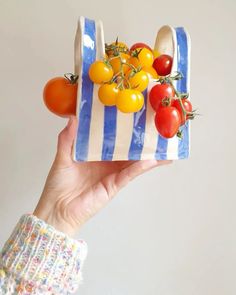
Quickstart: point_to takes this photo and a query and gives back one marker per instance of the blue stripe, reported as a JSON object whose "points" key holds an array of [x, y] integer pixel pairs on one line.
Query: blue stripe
{"points": [[89, 56], [109, 133], [137, 140], [183, 146], [161, 150]]}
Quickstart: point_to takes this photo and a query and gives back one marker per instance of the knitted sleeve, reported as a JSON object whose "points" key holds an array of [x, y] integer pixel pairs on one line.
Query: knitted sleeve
{"points": [[38, 259]]}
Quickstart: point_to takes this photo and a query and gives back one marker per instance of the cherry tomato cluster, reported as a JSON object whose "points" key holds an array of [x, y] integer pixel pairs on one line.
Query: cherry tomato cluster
{"points": [[172, 108], [124, 74]]}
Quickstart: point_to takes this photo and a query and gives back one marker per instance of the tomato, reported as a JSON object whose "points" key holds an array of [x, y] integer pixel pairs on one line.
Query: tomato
{"points": [[158, 93], [134, 61], [156, 53], [139, 81], [107, 94], [187, 106], [167, 121], [151, 72], [163, 64], [129, 100], [60, 95], [116, 63], [142, 57], [100, 72], [122, 47], [140, 99], [140, 45]]}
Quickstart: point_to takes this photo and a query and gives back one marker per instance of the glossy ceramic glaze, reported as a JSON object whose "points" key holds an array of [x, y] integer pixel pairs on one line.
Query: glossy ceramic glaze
{"points": [[106, 134]]}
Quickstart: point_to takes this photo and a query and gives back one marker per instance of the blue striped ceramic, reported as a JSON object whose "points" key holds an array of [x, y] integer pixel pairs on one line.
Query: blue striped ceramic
{"points": [[104, 133]]}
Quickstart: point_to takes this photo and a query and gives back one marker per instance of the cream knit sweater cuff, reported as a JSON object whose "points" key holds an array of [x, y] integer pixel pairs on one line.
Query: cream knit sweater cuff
{"points": [[38, 259]]}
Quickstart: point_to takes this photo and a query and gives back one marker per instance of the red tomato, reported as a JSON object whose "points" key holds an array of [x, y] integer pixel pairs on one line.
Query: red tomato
{"points": [[60, 95], [140, 45], [158, 93], [167, 121], [163, 64], [187, 106]]}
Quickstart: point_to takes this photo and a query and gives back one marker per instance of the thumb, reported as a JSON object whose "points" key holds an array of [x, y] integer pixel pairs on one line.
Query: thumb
{"points": [[65, 142]]}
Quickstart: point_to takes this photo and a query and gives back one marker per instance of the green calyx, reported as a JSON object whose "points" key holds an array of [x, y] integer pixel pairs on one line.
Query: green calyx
{"points": [[72, 78]]}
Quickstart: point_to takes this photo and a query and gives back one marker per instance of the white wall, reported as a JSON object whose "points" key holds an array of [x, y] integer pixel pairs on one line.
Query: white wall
{"points": [[177, 238]]}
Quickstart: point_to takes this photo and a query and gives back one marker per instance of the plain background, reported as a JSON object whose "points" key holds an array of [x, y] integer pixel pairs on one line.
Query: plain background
{"points": [[171, 231]]}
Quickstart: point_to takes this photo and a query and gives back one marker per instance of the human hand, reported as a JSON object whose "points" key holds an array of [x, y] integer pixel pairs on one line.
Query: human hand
{"points": [[74, 192]]}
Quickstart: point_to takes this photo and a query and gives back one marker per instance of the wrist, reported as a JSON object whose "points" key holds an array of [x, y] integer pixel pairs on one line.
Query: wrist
{"points": [[54, 220]]}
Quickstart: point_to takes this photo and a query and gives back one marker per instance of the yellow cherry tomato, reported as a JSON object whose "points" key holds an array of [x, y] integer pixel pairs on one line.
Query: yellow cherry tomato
{"points": [[116, 63], [135, 62], [100, 72], [156, 53], [107, 94], [145, 56], [138, 81], [129, 100], [151, 72], [140, 99], [121, 47]]}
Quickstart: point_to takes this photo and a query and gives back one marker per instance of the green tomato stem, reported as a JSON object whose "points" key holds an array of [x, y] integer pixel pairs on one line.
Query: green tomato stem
{"points": [[73, 79]]}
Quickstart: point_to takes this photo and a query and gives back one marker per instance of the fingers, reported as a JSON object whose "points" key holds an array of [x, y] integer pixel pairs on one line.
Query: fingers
{"points": [[65, 142], [136, 169]]}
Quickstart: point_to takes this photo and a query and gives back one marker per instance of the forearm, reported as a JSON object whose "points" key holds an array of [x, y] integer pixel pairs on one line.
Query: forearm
{"points": [[38, 259]]}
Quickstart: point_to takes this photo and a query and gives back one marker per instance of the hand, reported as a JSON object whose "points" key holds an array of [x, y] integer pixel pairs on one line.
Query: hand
{"points": [[74, 192]]}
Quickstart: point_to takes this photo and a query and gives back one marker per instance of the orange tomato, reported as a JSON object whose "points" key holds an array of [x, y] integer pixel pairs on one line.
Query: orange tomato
{"points": [[60, 95]]}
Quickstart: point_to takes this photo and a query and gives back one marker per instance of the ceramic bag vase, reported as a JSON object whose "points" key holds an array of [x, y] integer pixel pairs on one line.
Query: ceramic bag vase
{"points": [[106, 134]]}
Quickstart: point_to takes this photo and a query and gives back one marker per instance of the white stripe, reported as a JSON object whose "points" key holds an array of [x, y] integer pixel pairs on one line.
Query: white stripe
{"points": [[97, 113], [151, 134], [173, 143], [123, 135], [189, 62], [164, 41]]}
